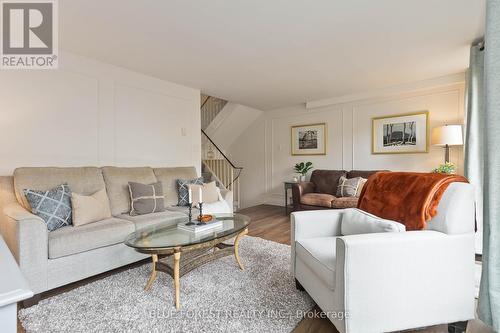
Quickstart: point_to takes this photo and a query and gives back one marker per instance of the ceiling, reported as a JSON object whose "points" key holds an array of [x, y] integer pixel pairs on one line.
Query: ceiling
{"points": [[275, 53]]}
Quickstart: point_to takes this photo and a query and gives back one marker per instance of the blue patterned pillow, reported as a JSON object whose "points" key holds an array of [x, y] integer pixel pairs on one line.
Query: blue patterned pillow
{"points": [[183, 190], [53, 206]]}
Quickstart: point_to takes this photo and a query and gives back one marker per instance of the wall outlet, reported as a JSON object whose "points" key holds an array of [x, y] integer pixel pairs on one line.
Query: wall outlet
{"points": [[183, 131]]}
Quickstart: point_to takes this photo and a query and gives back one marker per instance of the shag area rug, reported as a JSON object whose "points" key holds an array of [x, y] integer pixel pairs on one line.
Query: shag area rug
{"points": [[217, 297]]}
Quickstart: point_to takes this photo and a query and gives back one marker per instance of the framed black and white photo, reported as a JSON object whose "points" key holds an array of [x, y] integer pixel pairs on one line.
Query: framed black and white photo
{"points": [[401, 134], [308, 139]]}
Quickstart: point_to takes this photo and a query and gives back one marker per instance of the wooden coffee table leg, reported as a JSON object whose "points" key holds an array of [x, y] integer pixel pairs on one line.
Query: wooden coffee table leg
{"points": [[152, 278], [177, 258], [236, 243]]}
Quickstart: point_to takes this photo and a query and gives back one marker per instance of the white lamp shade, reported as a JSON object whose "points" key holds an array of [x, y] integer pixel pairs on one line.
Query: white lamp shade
{"points": [[450, 135]]}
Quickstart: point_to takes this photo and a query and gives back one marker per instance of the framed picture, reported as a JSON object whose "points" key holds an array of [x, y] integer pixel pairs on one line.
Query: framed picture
{"points": [[309, 139], [401, 134]]}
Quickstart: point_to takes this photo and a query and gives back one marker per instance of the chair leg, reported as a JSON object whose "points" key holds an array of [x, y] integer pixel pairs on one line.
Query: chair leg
{"points": [[458, 327], [298, 285]]}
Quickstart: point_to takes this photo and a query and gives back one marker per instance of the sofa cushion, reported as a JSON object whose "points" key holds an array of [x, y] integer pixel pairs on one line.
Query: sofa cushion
{"points": [[168, 178], [85, 180], [117, 178], [345, 202], [317, 199], [53, 206], [362, 183], [146, 199], [356, 221], [361, 173], [218, 207], [71, 240], [183, 209], [326, 181], [90, 208], [183, 189], [348, 187], [319, 255], [143, 221], [209, 191]]}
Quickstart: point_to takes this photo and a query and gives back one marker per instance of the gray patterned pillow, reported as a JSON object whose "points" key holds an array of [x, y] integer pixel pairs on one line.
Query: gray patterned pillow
{"points": [[348, 187], [146, 199], [183, 188], [53, 206]]}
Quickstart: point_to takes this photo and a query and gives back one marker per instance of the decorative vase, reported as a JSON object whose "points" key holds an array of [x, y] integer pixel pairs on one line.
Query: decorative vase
{"points": [[302, 178]]}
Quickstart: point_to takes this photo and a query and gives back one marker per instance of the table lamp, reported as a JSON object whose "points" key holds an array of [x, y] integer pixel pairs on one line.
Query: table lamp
{"points": [[446, 136]]}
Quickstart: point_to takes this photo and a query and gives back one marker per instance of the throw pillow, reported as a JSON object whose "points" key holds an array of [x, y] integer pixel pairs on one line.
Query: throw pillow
{"points": [[348, 187], [53, 206], [90, 208], [146, 199], [355, 222], [362, 183], [182, 189], [208, 190]]}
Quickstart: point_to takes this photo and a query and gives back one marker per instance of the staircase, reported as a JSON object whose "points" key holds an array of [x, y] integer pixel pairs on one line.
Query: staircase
{"points": [[210, 108], [216, 166]]}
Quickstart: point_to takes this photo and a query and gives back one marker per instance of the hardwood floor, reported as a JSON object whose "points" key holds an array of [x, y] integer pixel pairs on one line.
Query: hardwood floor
{"points": [[268, 222]]}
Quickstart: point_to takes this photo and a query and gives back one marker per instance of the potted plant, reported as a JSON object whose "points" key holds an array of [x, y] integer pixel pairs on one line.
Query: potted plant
{"points": [[302, 169], [448, 168]]}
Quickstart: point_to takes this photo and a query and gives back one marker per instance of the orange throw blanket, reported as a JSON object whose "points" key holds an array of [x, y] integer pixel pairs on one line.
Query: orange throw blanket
{"points": [[410, 198]]}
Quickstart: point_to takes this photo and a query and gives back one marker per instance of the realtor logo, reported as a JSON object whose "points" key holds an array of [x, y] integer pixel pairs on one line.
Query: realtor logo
{"points": [[29, 34]]}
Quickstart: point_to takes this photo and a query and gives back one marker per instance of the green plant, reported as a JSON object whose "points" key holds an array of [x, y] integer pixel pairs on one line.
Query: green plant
{"points": [[448, 167], [303, 168]]}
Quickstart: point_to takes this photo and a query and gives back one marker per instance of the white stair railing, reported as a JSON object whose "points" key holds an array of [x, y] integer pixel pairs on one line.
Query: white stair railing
{"points": [[210, 108], [222, 170]]}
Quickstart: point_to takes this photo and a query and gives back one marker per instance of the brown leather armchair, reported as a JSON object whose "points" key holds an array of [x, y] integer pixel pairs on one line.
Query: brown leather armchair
{"points": [[320, 191]]}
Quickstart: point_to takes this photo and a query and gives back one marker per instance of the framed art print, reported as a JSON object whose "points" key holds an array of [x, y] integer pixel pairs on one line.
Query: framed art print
{"points": [[309, 139], [401, 134]]}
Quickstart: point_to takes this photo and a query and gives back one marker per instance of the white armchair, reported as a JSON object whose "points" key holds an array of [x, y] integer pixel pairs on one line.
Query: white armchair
{"points": [[383, 282]]}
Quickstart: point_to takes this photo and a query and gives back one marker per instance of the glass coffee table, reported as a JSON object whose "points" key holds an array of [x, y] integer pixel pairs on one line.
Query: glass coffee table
{"points": [[168, 241]]}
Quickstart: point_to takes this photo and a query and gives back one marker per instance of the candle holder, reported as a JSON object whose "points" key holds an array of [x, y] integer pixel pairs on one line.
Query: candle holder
{"points": [[190, 216], [200, 205]]}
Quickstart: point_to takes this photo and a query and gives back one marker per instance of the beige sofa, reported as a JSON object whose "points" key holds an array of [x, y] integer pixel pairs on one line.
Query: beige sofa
{"points": [[51, 259]]}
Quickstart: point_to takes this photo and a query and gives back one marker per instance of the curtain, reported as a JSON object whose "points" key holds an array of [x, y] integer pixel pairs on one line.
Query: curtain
{"points": [[489, 294], [474, 143]]}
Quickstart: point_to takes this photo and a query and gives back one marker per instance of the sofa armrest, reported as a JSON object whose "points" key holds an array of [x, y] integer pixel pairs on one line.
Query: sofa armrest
{"points": [[391, 281], [227, 196], [312, 224], [299, 190], [27, 237], [18, 213]]}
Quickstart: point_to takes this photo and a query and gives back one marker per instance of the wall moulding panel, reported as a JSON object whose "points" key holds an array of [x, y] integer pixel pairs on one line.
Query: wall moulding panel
{"points": [[91, 113], [349, 136]]}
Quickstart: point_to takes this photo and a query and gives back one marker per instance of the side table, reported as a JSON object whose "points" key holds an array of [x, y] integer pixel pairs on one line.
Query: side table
{"points": [[288, 186]]}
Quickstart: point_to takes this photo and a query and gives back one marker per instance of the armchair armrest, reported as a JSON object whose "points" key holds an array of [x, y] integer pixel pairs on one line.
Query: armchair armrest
{"points": [[316, 223], [389, 281], [27, 237], [313, 223], [299, 190]]}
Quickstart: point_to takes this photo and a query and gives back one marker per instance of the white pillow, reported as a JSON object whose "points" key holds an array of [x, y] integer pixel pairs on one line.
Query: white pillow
{"points": [[218, 207], [355, 221]]}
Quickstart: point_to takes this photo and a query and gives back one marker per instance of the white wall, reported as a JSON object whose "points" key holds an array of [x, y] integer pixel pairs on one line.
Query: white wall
{"points": [[231, 121], [91, 113], [264, 148]]}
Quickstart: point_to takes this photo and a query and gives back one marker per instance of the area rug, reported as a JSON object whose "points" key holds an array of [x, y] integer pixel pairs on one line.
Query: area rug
{"points": [[217, 297]]}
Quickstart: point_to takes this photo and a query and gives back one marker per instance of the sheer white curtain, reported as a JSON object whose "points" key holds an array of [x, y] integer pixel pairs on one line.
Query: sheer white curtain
{"points": [[474, 141]]}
